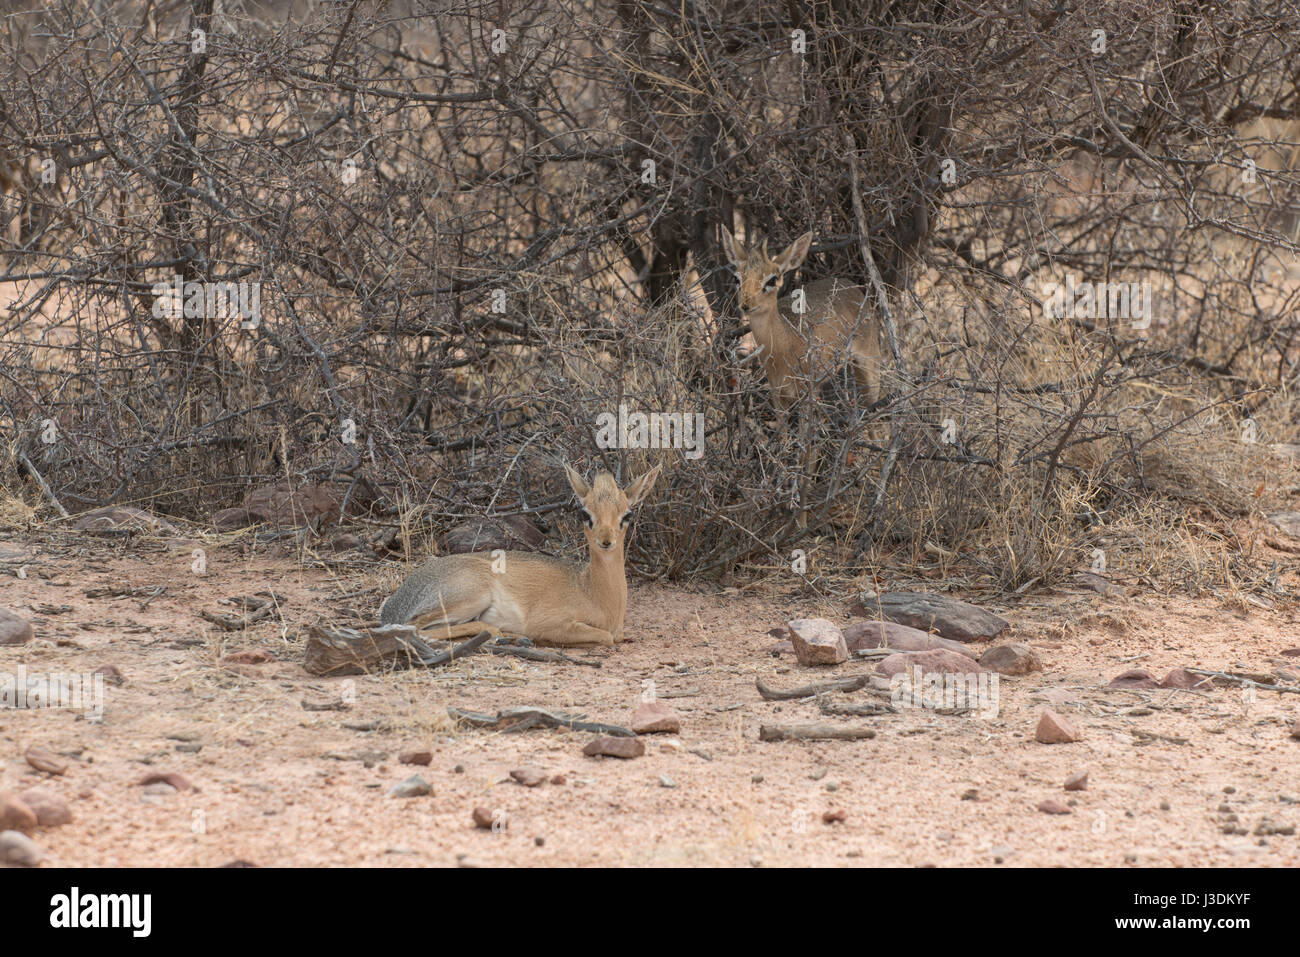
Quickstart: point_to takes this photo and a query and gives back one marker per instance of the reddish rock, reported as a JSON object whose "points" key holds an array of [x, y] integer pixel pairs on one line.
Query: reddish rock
{"points": [[47, 761], [529, 777], [509, 532], [1133, 679], [1054, 807], [612, 747], [1016, 658], [927, 612], [1055, 729], [15, 815], [345, 542], [289, 505], [228, 519], [1295, 729], [1181, 678], [416, 757], [1078, 781], [14, 629], [1292, 652], [817, 642], [939, 661], [50, 809], [655, 717], [863, 635], [484, 818], [836, 816], [559, 779], [166, 777]]}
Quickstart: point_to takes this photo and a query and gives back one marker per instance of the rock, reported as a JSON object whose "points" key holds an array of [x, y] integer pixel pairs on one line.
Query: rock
{"points": [[1102, 586], [949, 617], [112, 675], [15, 815], [666, 782], [484, 818], [1055, 729], [781, 648], [1295, 729], [655, 717], [166, 777], [863, 635], [228, 519], [46, 761], [423, 757], [1134, 679], [559, 780], [1292, 652], [1181, 678], [345, 542], [509, 532], [121, 517], [939, 661], [413, 787], [817, 642], [1016, 658], [284, 504], [19, 849], [1054, 807], [836, 816], [50, 809], [612, 747], [14, 629], [1078, 781], [1287, 522], [255, 657], [160, 789], [529, 776]]}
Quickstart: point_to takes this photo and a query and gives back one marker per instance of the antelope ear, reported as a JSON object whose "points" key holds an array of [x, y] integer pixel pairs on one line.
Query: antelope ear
{"points": [[580, 488], [794, 254], [729, 247], [638, 489]]}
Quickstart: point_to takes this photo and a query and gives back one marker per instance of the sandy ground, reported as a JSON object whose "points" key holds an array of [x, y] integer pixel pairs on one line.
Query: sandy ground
{"points": [[281, 785]]}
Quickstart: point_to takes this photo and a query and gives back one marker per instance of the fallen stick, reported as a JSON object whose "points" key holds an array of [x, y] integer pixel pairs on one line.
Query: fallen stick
{"points": [[1244, 680], [813, 732], [350, 651], [44, 486], [237, 622], [810, 691], [523, 719]]}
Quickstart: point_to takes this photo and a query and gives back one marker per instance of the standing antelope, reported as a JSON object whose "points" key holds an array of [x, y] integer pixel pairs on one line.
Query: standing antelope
{"points": [[807, 346], [548, 599]]}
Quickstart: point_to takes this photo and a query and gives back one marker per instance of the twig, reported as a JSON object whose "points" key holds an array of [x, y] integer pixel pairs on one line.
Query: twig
{"points": [[44, 486], [810, 691], [813, 732], [523, 719]]}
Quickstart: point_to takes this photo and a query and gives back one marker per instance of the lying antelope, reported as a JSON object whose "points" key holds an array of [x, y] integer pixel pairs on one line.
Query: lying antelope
{"points": [[549, 600], [809, 346]]}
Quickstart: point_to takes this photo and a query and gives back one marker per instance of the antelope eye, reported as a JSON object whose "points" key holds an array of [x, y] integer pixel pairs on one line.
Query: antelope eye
{"points": [[770, 283], [627, 517], [588, 519]]}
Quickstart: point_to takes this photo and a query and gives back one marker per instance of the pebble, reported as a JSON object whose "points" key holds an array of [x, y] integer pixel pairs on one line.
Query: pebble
{"points": [[423, 758], [15, 815], [1055, 729], [612, 747], [655, 717], [412, 787], [1053, 807], [1078, 781], [50, 809], [19, 849], [47, 761], [529, 776], [666, 782]]}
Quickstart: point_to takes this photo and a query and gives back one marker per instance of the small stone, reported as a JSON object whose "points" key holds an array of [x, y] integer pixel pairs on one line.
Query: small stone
{"points": [[1181, 678], [484, 818], [112, 675], [837, 816], [1078, 781], [423, 758], [46, 761], [413, 787], [559, 780], [189, 747], [666, 782], [167, 777], [50, 809], [612, 747], [529, 776], [19, 849], [1295, 729], [255, 656], [1053, 807], [539, 841], [970, 795], [817, 642], [1016, 658], [1055, 729], [1165, 805], [159, 789], [1134, 679], [398, 849], [655, 717], [15, 815], [939, 661], [1229, 789], [14, 629]]}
